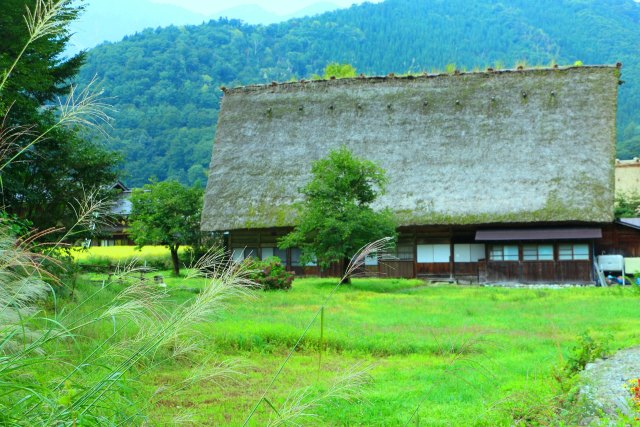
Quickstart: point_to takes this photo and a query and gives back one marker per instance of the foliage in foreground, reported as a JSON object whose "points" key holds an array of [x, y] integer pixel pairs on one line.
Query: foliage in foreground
{"points": [[46, 162], [92, 380], [586, 350]]}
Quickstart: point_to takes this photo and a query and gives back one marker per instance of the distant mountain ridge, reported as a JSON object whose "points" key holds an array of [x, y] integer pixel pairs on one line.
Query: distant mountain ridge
{"points": [[164, 82], [254, 14], [127, 18], [132, 16]]}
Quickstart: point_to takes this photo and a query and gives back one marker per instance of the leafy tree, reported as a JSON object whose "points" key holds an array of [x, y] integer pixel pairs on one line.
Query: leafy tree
{"points": [[166, 213], [627, 206], [42, 176], [336, 218]]}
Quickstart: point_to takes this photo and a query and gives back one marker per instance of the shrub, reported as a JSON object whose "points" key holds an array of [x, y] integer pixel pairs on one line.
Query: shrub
{"points": [[270, 274], [586, 350]]}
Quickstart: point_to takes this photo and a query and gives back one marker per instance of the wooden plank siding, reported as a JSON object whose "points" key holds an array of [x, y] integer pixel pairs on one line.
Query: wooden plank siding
{"points": [[396, 269], [539, 272], [616, 239], [439, 269]]}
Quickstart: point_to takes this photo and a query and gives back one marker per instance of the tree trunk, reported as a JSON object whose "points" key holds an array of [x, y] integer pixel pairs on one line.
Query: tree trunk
{"points": [[346, 280], [175, 260]]}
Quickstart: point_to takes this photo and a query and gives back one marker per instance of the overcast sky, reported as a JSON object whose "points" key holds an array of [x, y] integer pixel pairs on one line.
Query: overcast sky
{"points": [[281, 7]]}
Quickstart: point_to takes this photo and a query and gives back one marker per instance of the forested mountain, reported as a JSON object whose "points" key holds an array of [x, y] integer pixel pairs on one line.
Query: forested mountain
{"points": [[164, 83]]}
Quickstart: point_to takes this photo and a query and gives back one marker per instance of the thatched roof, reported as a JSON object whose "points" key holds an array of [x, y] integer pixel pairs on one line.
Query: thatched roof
{"points": [[512, 146]]}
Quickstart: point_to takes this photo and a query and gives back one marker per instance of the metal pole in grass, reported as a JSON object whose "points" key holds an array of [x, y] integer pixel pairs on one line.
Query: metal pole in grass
{"points": [[378, 247], [321, 347]]}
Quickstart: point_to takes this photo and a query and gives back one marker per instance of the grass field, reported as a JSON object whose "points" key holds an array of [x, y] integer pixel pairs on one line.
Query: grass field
{"points": [[157, 256], [453, 355]]}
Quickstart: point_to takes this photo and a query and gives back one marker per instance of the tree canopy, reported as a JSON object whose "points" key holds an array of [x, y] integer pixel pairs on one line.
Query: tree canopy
{"points": [[42, 176], [336, 218], [627, 206], [166, 213]]}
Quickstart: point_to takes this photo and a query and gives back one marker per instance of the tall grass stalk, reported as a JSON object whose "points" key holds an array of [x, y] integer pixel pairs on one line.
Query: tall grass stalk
{"points": [[377, 248], [89, 388], [41, 21], [301, 406], [96, 379], [83, 109], [47, 18]]}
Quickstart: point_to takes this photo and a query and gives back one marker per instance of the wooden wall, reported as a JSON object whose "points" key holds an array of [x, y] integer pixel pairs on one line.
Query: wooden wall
{"points": [[402, 269], [618, 239], [538, 271], [433, 269]]}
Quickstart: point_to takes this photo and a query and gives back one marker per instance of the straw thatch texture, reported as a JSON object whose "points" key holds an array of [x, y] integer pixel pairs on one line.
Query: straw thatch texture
{"points": [[515, 146]]}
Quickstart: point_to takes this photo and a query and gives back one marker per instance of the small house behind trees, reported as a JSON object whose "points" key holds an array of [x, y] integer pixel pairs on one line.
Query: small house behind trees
{"points": [[499, 176], [114, 231]]}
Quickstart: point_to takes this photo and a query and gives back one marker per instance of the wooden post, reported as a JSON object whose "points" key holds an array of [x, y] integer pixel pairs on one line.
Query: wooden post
{"points": [[415, 255], [451, 253]]}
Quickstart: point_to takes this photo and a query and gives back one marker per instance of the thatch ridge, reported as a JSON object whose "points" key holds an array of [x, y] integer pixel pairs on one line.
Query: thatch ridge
{"points": [[425, 75]]}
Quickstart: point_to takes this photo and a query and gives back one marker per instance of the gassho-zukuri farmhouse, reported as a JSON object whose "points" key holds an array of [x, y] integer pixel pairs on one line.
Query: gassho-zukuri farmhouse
{"points": [[497, 176]]}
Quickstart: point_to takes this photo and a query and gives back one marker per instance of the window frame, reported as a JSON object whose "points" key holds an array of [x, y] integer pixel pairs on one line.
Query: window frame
{"points": [[405, 252], [573, 251], [433, 253], [502, 251], [537, 252]]}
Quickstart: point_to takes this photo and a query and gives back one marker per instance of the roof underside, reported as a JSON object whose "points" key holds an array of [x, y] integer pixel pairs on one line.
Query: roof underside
{"points": [[539, 234], [522, 146]]}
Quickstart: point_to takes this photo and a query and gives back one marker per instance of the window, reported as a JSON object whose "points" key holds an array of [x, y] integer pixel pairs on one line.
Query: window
{"points": [[535, 252], [266, 253], [573, 251], [371, 259], [251, 252], [438, 253], [280, 253], [296, 254], [295, 257], [468, 252], [503, 253], [405, 252], [237, 254], [270, 252]]}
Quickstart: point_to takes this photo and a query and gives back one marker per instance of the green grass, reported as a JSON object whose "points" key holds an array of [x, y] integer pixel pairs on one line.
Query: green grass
{"points": [[119, 252], [464, 355], [109, 256]]}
